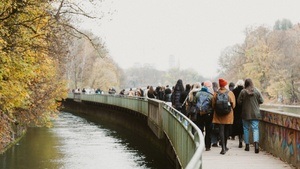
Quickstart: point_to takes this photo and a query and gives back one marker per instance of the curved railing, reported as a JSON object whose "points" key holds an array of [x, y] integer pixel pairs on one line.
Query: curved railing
{"points": [[162, 118]]}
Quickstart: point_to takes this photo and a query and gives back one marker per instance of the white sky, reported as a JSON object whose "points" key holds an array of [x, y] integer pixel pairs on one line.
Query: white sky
{"points": [[194, 31]]}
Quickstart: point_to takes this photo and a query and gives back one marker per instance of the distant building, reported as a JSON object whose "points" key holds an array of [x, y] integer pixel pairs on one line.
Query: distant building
{"points": [[173, 62]]}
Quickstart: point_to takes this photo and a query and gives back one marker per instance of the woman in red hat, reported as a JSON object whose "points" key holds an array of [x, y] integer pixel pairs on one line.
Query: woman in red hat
{"points": [[224, 121]]}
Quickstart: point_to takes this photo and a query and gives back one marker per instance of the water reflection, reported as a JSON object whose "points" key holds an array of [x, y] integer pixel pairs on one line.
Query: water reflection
{"points": [[89, 146], [37, 150], [76, 143]]}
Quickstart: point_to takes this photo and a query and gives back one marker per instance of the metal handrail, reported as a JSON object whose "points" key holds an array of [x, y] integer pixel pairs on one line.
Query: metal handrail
{"points": [[192, 158]]}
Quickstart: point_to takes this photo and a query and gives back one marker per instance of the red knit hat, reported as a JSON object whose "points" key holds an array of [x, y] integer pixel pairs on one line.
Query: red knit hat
{"points": [[222, 82]]}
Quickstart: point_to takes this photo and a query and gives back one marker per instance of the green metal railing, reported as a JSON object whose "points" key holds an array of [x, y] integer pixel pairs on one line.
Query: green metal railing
{"points": [[185, 137], [188, 146], [133, 103]]}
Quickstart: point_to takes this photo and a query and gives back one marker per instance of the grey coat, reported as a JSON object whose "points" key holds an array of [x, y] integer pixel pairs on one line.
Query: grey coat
{"points": [[250, 99]]}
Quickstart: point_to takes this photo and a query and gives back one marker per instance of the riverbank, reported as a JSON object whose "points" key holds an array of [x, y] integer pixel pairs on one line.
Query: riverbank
{"points": [[15, 141]]}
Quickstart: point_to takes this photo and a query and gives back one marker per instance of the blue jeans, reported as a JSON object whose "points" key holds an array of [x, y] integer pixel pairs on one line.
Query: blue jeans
{"points": [[254, 126]]}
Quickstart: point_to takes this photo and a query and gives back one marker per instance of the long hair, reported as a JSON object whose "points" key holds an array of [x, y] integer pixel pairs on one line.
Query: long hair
{"points": [[151, 90], [248, 83], [179, 86], [196, 87]]}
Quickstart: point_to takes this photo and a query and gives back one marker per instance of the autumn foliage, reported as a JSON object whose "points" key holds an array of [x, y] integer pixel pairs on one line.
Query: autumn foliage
{"points": [[271, 58], [31, 81]]}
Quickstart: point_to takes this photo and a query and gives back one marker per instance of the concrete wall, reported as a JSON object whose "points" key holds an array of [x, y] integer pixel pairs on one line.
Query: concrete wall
{"points": [[280, 135]]}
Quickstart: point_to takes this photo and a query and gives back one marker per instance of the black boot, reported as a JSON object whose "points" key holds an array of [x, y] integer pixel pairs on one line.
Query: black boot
{"points": [[222, 139], [240, 144], [223, 151], [247, 147], [240, 141], [256, 145], [226, 148]]}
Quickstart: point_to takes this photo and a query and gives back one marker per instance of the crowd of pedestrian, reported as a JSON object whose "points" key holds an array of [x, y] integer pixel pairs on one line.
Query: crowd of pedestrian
{"points": [[243, 100], [94, 91], [201, 102]]}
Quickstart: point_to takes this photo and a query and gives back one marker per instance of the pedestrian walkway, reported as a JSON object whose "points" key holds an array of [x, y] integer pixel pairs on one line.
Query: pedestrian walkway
{"points": [[238, 158]]}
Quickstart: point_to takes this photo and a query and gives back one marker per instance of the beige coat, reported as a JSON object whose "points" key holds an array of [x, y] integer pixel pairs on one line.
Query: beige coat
{"points": [[227, 119]]}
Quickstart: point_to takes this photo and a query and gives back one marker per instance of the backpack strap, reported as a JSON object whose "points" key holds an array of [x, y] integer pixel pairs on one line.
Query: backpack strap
{"points": [[208, 92], [185, 100]]}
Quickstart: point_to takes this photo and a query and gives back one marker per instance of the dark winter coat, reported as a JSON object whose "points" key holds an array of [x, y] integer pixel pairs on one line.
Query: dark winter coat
{"points": [[176, 99], [151, 95], [237, 127], [250, 99], [168, 94], [160, 95]]}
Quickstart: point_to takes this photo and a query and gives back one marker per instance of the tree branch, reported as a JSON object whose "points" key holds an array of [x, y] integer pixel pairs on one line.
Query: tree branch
{"points": [[96, 47]]}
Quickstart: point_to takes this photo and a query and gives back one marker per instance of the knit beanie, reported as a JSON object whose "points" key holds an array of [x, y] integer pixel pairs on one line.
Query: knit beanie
{"points": [[222, 82]]}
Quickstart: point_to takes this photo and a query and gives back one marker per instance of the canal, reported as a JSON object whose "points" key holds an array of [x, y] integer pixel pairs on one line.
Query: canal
{"points": [[283, 108], [76, 142]]}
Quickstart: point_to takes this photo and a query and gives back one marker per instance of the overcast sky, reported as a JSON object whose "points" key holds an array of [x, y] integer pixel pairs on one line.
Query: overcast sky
{"points": [[193, 31]]}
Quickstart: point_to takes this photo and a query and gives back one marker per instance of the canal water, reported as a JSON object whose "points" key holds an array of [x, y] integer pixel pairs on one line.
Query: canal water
{"points": [[82, 142], [283, 108]]}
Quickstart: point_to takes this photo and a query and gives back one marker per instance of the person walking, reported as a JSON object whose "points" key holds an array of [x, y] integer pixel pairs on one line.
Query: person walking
{"points": [[131, 93], [151, 93], [231, 87], [223, 121], [251, 98], [237, 126], [175, 98], [146, 92], [168, 93], [204, 118], [191, 102], [159, 93], [183, 98], [215, 128]]}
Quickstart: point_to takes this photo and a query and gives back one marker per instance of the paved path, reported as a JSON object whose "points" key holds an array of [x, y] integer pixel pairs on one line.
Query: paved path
{"points": [[238, 158]]}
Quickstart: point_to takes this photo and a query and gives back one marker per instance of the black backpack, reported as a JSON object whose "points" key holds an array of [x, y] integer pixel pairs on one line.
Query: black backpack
{"points": [[222, 105], [193, 111]]}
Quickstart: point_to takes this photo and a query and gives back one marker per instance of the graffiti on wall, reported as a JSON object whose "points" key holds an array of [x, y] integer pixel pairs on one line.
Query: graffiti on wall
{"points": [[283, 133], [281, 120]]}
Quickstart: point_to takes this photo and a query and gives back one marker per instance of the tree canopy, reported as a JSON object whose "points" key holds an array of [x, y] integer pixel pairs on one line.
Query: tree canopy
{"points": [[270, 57], [34, 39]]}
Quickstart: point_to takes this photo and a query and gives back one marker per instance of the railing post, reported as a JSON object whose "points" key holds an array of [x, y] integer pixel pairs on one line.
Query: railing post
{"points": [[155, 117], [77, 97]]}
